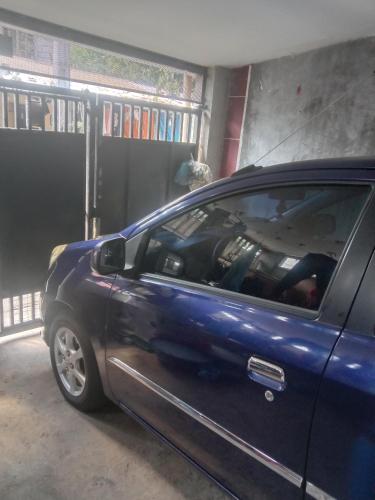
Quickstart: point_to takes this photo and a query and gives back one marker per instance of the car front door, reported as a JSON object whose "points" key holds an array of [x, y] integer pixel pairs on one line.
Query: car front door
{"points": [[220, 343]]}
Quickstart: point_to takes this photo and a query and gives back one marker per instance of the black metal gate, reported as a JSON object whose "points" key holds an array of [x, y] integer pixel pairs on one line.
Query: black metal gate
{"points": [[140, 149], [42, 179], [74, 164]]}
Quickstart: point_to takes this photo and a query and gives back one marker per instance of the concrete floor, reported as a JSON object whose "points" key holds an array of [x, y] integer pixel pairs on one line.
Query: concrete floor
{"points": [[48, 450]]}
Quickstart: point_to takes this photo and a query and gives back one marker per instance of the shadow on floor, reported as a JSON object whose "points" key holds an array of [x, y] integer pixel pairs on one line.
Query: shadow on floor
{"points": [[51, 451]]}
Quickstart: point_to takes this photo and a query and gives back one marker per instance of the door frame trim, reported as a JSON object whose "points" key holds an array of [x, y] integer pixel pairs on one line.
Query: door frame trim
{"points": [[317, 493], [356, 253], [236, 441]]}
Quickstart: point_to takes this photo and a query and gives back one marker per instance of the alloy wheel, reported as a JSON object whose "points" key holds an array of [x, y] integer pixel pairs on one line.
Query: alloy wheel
{"points": [[70, 362]]}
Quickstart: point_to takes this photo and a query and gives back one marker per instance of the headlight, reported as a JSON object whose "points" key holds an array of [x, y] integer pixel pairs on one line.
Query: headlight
{"points": [[55, 254]]}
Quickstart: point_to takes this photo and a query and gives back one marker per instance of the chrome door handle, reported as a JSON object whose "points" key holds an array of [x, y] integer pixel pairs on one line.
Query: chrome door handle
{"points": [[266, 373]]}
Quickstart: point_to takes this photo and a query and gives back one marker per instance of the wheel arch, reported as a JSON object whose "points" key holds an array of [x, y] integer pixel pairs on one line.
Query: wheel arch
{"points": [[62, 308], [54, 308]]}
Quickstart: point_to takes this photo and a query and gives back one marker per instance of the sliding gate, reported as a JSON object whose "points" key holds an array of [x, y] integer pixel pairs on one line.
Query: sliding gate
{"points": [[72, 165]]}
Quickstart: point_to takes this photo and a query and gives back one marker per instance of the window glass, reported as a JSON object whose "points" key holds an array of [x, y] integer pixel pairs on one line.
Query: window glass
{"points": [[280, 244]]}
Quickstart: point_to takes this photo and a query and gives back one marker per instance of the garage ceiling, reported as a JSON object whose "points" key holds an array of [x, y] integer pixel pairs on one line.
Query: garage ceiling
{"points": [[212, 32]]}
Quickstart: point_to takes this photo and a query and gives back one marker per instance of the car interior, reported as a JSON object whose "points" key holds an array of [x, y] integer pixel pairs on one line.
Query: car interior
{"points": [[282, 244]]}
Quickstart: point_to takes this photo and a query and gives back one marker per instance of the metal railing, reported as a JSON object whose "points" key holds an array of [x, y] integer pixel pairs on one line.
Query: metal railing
{"points": [[20, 312], [22, 109], [149, 121]]}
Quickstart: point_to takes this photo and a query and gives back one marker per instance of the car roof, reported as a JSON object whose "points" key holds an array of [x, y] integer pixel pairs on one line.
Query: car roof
{"points": [[353, 163], [358, 164]]}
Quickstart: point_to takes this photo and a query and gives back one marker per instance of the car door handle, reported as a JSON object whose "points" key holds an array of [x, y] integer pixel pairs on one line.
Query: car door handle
{"points": [[266, 373]]}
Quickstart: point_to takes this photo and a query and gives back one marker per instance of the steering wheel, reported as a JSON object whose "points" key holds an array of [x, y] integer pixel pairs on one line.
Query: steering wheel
{"points": [[218, 249]]}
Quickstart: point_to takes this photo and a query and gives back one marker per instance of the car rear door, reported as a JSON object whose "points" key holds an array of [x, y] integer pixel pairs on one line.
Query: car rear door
{"points": [[218, 365], [341, 458]]}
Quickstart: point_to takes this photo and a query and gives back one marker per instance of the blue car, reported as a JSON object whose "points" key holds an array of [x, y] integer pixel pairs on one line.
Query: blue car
{"points": [[238, 324]]}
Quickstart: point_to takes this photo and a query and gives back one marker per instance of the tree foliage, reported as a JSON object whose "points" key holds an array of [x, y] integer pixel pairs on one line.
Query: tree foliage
{"points": [[164, 80]]}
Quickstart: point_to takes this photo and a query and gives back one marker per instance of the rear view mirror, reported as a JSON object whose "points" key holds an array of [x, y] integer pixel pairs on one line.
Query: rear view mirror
{"points": [[109, 256], [292, 194]]}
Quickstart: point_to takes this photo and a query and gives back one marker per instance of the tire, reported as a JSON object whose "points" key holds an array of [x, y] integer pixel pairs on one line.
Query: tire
{"points": [[74, 365]]}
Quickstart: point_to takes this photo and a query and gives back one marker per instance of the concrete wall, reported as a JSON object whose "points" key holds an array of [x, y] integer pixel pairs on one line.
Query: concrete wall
{"points": [[285, 93]]}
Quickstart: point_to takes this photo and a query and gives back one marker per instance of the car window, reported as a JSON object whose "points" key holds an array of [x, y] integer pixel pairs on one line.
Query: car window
{"points": [[280, 244]]}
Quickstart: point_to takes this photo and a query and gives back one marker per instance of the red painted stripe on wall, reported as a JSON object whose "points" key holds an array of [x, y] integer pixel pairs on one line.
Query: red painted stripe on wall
{"points": [[234, 119]]}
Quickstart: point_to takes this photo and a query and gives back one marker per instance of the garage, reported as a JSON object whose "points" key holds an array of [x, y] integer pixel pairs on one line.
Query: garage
{"points": [[186, 251]]}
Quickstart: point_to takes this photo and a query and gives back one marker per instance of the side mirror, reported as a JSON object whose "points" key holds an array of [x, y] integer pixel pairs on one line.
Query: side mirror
{"points": [[109, 256], [117, 255]]}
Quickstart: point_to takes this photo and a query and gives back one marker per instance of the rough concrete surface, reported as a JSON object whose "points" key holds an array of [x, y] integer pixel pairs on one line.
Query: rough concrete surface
{"points": [[334, 87], [48, 450]]}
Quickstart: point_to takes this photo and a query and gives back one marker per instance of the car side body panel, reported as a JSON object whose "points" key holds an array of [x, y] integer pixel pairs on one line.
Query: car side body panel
{"points": [[201, 358]]}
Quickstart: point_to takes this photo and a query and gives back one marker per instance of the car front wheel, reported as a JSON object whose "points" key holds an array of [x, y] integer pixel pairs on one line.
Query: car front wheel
{"points": [[74, 365]]}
